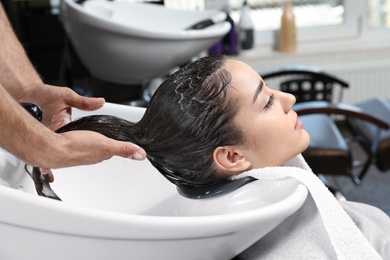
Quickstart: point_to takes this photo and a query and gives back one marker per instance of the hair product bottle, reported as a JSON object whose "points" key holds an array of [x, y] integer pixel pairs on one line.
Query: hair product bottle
{"points": [[230, 39], [245, 30], [287, 33], [228, 44]]}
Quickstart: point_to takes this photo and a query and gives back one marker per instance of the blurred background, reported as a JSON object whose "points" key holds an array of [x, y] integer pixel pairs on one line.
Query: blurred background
{"points": [[348, 37]]}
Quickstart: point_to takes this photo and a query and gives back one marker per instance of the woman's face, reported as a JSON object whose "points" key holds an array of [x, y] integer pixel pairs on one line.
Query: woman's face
{"points": [[273, 134]]}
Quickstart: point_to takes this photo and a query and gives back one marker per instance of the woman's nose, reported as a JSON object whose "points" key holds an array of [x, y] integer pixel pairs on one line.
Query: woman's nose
{"points": [[288, 100]]}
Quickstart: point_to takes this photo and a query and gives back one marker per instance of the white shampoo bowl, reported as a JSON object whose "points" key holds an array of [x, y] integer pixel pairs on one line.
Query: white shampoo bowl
{"points": [[126, 43], [124, 209]]}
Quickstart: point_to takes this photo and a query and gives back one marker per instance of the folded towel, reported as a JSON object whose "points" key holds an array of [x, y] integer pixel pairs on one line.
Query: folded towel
{"points": [[346, 238]]}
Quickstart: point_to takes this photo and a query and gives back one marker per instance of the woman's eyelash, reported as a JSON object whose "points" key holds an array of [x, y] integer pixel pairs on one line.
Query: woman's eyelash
{"points": [[270, 102]]}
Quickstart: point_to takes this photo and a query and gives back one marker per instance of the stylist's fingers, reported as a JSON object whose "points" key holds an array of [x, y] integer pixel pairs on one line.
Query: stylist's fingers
{"points": [[128, 150], [106, 147], [87, 147]]}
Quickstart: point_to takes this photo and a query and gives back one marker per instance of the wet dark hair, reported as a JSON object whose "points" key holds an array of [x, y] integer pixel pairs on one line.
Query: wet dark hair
{"points": [[189, 116]]}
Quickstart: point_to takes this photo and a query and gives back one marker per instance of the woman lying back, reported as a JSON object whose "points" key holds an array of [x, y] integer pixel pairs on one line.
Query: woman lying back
{"points": [[209, 120]]}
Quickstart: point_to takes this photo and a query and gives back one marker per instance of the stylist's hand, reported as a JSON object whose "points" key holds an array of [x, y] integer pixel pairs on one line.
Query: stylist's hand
{"points": [[87, 147], [82, 147], [90, 147], [57, 102]]}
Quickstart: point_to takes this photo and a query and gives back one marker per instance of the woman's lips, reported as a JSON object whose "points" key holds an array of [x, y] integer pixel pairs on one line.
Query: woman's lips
{"points": [[298, 124]]}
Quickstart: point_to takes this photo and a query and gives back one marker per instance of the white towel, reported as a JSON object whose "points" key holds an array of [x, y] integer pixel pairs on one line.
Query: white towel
{"points": [[346, 238]]}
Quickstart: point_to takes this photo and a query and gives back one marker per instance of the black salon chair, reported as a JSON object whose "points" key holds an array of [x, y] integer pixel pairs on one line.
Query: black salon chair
{"points": [[319, 96], [376, 143]]}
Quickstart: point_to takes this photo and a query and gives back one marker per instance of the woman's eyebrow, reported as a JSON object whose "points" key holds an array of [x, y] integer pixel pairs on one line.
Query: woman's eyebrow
{"points": [[258, 91]]}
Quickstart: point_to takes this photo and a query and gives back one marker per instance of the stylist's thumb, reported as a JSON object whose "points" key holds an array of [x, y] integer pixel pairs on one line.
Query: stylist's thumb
{"points": [[132, 151]]}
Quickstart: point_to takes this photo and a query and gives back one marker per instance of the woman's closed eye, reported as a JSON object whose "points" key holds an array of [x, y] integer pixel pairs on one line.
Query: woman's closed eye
{"points": [[270, 102]]}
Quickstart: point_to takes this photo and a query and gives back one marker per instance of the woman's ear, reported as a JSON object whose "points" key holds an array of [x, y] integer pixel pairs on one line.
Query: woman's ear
{"points": [[231, 158]]}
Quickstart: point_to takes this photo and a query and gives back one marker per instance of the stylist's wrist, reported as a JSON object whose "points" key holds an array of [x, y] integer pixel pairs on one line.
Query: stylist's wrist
{"points": [[22, 90]]}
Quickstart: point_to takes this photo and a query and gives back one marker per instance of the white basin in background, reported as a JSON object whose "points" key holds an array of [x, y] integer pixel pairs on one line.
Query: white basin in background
{"points": [[123, 42], [124, 209]]}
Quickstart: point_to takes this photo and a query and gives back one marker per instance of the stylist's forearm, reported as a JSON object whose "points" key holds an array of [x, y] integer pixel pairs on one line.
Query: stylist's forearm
{"points": [[16, 71], [20, 133]]}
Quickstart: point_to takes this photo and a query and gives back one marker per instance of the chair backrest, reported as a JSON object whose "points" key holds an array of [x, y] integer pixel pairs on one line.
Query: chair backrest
{"points": [[306, 83]]}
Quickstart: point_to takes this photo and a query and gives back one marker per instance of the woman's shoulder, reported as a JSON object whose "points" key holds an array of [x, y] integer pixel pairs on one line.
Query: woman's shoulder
{"points": [[374, 224]]}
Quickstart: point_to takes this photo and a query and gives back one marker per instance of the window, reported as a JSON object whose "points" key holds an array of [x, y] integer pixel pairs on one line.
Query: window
{"points": [[317, 20], [308, 13]]}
